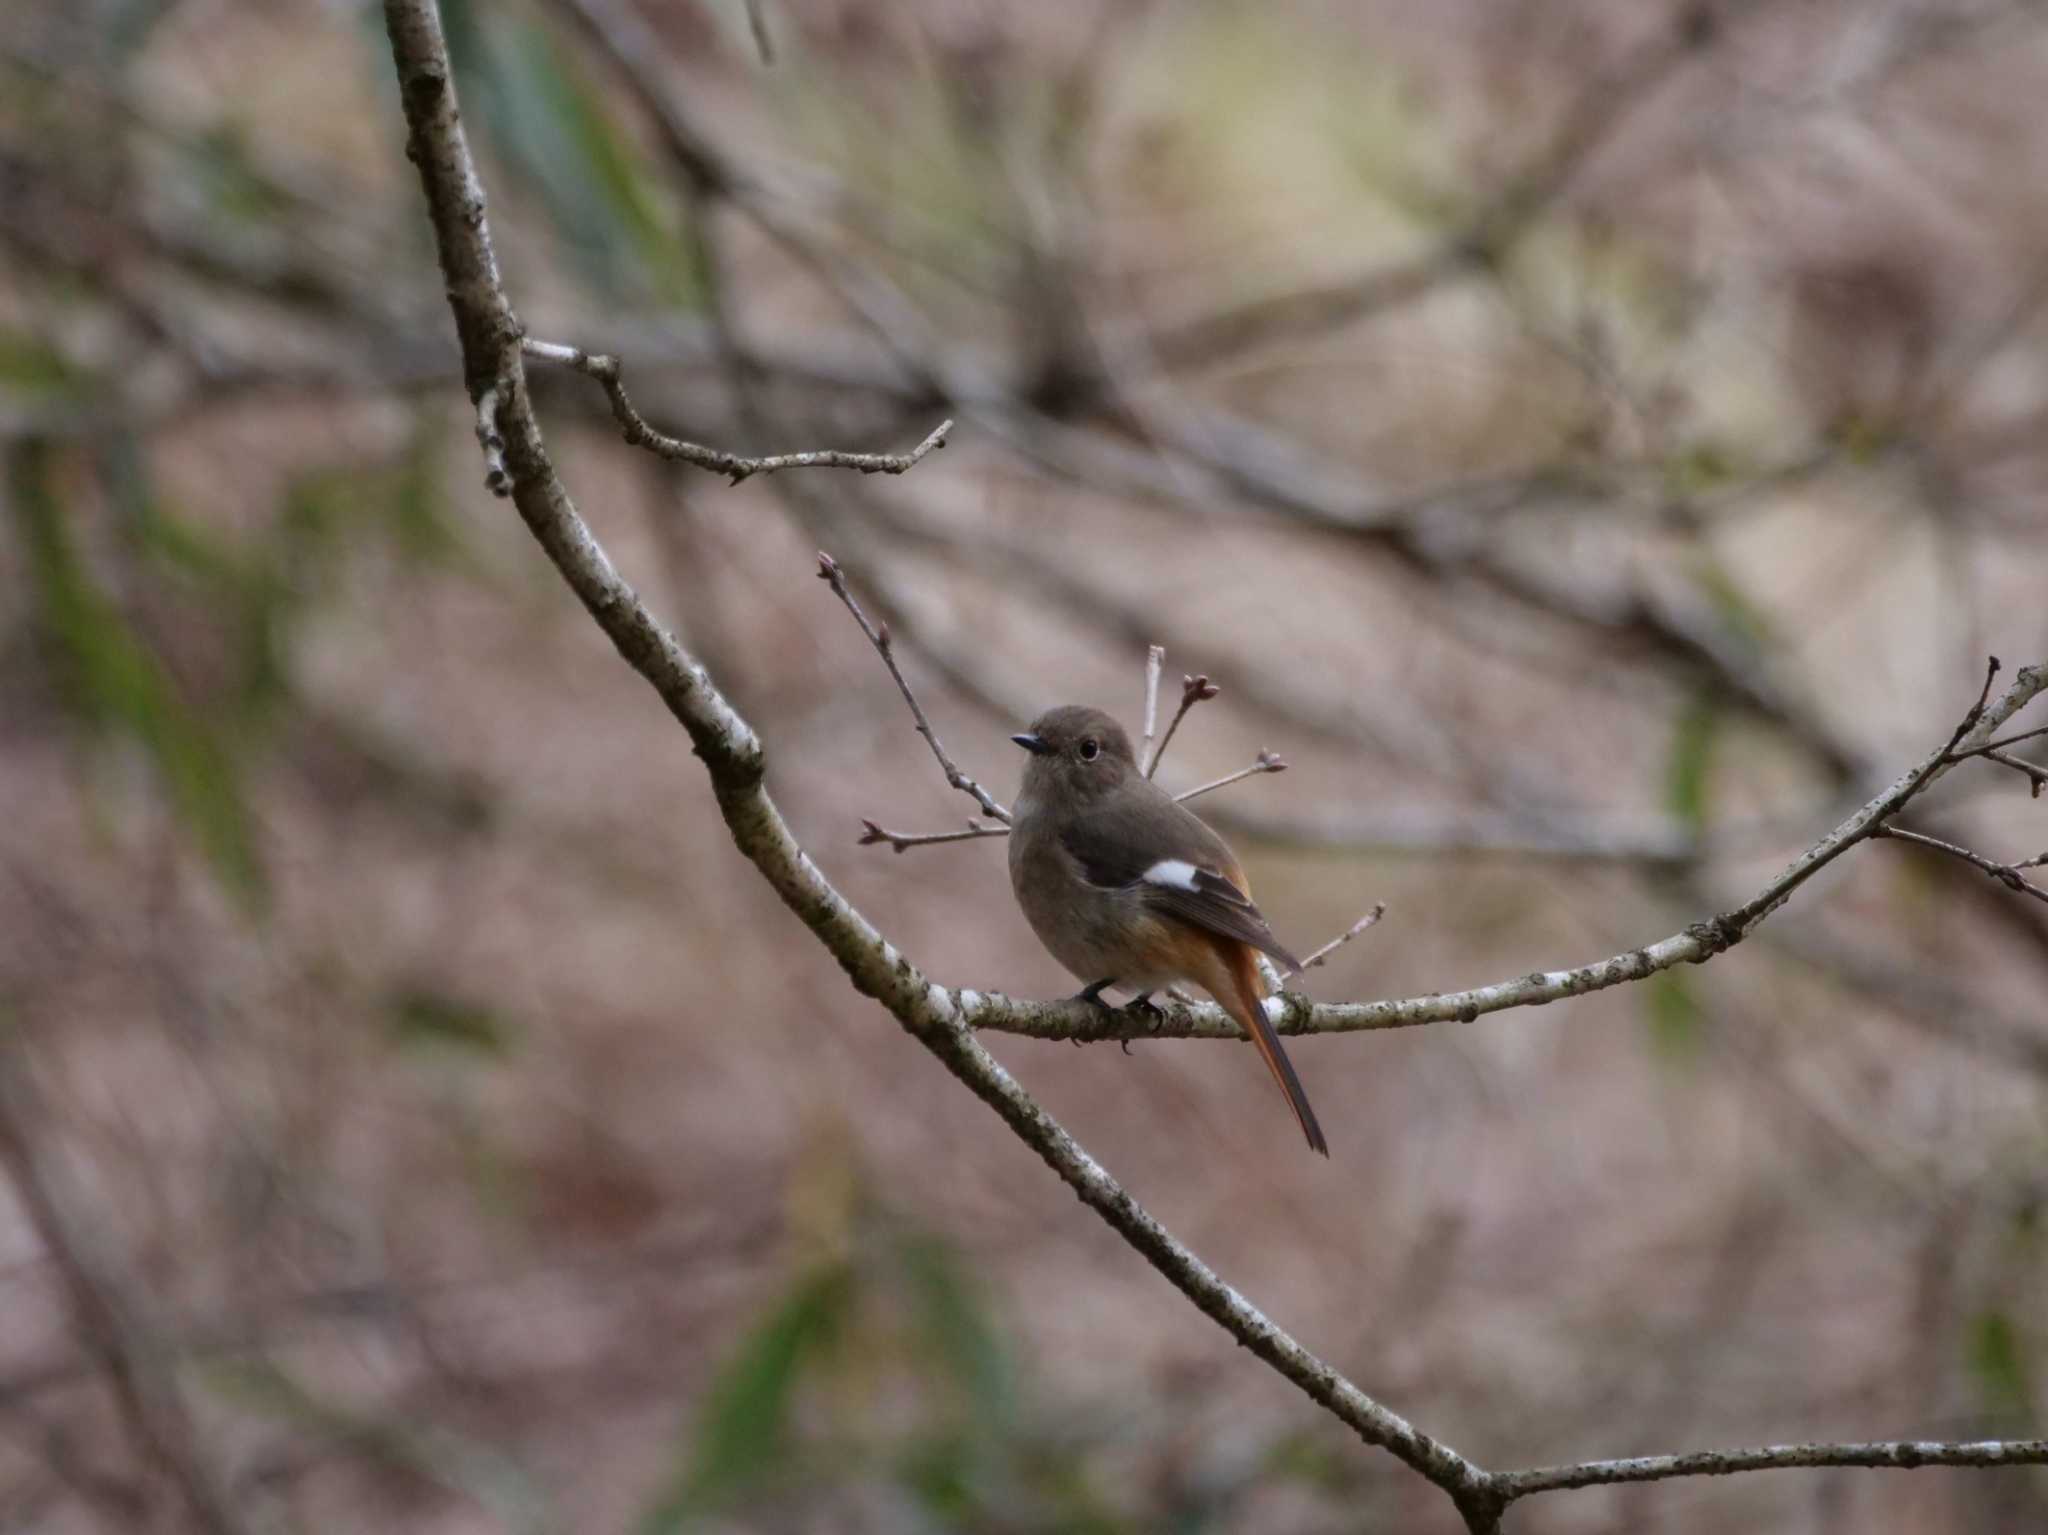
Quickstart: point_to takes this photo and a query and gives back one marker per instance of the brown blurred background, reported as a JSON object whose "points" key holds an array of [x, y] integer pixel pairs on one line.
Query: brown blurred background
{"points": [[1595, 444]]}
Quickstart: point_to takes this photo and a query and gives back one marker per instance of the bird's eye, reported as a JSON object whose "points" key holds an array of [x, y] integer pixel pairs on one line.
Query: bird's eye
{"points": [[1090, 749]]}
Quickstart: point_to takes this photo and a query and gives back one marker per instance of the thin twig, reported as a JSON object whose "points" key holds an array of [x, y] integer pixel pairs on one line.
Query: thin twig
{"points": [[1267, 763], [1155, 658], [899, 840], [2013, 740], [2006, 874], [878, 636], [606, 369], [2037, 778], [1193, 690], [1321, 956]]}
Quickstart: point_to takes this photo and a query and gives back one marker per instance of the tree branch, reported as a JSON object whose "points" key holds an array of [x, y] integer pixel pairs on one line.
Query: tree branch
{"points": [[607, 370], [734, 759], [940, 1019], [1899, 1454]]}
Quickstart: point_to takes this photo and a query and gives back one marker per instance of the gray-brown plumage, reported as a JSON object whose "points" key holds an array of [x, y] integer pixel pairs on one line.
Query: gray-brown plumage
{"points": [[1128, 887]]}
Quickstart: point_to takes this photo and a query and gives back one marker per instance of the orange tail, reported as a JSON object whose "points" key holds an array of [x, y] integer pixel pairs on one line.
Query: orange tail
{"points": [[1244, 1004]]}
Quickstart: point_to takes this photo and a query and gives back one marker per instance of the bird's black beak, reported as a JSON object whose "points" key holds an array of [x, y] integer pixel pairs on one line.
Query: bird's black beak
{"points": [[1032, 744]]}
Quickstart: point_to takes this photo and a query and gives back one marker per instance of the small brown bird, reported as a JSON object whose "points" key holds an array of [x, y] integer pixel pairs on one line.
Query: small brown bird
{"points": [[1127, 887]]}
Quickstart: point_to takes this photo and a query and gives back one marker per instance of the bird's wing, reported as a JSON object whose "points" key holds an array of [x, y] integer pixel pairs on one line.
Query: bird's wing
{"points": [[1176, 864]]}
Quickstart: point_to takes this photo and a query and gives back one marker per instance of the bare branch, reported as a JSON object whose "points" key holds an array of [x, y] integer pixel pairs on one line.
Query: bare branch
{"points": [[1155, 658], [2006, 874], [1322, 956], [1267, 763], [1899, 1454], [1193, 690], [878, 636], [606, 369], [899, 840]]}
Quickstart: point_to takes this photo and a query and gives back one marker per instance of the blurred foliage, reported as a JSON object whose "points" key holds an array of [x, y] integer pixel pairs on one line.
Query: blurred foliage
{"points": [[1690, 764], [424, 1017], [457, 1462], [118, 685], [619, 222], [37, 372], [1998, 1359], [884, 1367], [1676, 1019]]}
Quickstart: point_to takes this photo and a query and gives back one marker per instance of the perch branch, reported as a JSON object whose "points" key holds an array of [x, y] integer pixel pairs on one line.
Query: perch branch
{"points": [[1693, 945]]}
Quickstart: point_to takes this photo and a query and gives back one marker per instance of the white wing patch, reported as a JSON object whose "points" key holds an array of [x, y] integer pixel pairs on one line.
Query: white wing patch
{"points": [[1173, 873]]}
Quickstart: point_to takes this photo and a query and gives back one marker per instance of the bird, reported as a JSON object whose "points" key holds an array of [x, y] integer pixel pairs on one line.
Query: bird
{"points": [[1127, 887]]}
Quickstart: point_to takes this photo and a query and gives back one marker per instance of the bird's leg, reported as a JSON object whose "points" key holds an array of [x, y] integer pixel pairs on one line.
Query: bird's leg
{"points": [[1142, 1006], [1093, 993]]}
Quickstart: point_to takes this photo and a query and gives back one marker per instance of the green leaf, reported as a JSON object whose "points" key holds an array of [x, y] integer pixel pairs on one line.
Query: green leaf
{"points": [[403, 498], [118, 682], [233, 186], [956, 1328], [1676, 1021], [424, 1017], [1688, 767], [1997, 1356], [554, 131], [1730, 603], [33, 368], [457, 1462], [740, 1437], [1703, 466]]}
